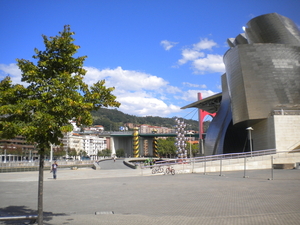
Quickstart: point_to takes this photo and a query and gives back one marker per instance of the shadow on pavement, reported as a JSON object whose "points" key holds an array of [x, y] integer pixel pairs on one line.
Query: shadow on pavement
{"points": [[24, 211]]}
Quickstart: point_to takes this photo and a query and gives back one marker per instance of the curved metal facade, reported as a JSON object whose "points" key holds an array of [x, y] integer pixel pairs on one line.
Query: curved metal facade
{"points": [[215, 135], [261, 78], [262, 75]]}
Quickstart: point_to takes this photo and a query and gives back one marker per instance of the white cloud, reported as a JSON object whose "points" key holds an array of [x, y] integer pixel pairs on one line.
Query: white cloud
{"points": [[191, 95], [143, 106], [167, 45], [194, 85], [125, 79], [211, 63], [204, 44], [172, 89], [200, 61], [139, 93], [189, 55], [12, 70]]}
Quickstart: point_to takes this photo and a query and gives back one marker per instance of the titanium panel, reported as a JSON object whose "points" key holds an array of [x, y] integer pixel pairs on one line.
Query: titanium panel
{"points": [[272, 28], [262, 78]]}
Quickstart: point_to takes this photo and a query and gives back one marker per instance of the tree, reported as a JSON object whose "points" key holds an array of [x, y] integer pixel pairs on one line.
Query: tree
{"points": [[166, 146], [56, 94], [72, 152], [58, 152], [82, 154], [105, 152], [120, 153]]}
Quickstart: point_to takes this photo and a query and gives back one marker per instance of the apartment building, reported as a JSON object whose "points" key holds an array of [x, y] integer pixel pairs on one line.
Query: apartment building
{"points": [[89, 143]]}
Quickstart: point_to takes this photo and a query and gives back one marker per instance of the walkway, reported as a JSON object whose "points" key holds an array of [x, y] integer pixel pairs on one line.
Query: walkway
{"points": [[124, 196]]}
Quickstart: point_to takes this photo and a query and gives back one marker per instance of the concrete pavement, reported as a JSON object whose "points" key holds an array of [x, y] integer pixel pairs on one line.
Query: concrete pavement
{"points": [[127, 196]]}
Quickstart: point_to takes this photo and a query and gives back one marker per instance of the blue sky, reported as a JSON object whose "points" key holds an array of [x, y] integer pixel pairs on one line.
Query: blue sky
{"points": [[158, 54]]}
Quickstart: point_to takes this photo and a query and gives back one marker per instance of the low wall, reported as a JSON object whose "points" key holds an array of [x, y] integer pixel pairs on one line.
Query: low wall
{"points": [[34, 166]]}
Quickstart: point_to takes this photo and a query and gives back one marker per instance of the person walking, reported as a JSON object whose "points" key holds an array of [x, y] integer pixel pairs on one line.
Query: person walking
{"points": [[54, 169]]}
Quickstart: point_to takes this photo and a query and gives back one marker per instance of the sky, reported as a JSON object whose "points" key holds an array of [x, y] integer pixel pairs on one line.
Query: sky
{"points": [[158, 54]]}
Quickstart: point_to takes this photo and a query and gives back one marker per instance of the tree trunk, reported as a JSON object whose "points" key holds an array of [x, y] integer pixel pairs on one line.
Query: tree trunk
{"points": [[40, 188]]}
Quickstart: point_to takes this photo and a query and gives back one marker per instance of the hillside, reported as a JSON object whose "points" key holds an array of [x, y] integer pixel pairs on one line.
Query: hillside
{"points": [[112, 119]]}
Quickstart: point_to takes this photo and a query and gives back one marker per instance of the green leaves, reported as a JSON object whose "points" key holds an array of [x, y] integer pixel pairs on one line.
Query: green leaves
{"points": [[56, 94], [166, 146]]}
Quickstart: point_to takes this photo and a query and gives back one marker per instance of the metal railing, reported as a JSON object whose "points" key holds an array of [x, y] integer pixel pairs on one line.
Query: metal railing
{"points": [[235, 155], [212, 158], [286, 112]]}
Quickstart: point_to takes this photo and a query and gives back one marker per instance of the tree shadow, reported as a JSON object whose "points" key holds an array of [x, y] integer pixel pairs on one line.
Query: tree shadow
{"points": [[24, 211]]}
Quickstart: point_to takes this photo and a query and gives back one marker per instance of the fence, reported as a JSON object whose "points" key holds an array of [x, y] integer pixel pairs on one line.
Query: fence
{"points": [[265, 159]]}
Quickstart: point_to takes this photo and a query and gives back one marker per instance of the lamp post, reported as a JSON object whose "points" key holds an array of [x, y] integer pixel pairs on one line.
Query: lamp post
{"points": [[249, 129], [51, 152], [190, 133]]}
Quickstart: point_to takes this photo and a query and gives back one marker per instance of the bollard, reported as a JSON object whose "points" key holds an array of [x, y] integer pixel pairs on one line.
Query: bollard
{"points": [[221, 168], [245, 169], [272, 169], [193, 164], [204, 165]]}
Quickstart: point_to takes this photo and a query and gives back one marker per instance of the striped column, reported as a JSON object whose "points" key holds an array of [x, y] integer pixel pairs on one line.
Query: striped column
{"points": [[135, 142], [155, 152]]}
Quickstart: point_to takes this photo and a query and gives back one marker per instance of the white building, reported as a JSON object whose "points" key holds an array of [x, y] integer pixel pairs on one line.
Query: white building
{"points": [[91, 144]]}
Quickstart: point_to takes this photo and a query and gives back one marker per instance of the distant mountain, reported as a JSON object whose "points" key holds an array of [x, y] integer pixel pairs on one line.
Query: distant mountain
{"points": [[112, 119]]}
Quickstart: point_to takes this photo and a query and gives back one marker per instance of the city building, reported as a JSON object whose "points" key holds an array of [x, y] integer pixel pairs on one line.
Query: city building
{"points": [[17, 149]]}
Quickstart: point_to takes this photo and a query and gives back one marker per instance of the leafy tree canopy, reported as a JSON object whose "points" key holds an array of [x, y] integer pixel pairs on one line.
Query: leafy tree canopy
{"points": [[56, 94], [166, 147]]}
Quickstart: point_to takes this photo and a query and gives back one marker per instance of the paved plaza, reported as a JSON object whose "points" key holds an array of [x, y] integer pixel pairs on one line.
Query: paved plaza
{"points": [[128, 196]]}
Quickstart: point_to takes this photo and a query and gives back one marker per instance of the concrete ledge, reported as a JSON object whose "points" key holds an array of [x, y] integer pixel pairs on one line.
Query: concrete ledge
{"points": [[131, 165], [96, 166], [284, 166]]}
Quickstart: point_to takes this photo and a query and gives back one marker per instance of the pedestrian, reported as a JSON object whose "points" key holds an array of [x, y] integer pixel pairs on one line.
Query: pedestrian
{"points": [[54, 169]]}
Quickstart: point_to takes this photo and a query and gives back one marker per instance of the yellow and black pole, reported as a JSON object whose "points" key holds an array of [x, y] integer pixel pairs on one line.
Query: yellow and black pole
{"points": [[136, 142], [155, 152]]}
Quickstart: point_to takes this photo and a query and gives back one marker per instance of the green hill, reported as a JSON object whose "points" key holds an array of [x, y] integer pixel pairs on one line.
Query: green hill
{"points": [[112, 119]]}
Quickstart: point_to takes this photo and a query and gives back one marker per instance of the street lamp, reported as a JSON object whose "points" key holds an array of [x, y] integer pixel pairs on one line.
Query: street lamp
{"points": [[51, 152], [190, 133], [249, 129]]}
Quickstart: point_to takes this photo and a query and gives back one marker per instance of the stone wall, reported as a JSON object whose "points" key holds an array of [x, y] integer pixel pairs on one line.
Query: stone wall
{"points": [[287, 133]]}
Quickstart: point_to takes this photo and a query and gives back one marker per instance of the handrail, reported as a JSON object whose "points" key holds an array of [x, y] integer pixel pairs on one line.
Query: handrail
{"points": [[236, 155], [286, 112], [215, 157]]}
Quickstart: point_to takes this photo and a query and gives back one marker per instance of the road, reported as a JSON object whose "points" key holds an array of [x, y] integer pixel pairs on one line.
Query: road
{"points": [[111, 165]]}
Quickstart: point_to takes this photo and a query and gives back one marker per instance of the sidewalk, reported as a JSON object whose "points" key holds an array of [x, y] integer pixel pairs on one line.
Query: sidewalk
{"points": [[87, 196]]}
